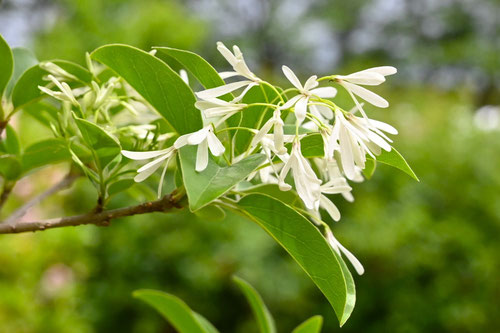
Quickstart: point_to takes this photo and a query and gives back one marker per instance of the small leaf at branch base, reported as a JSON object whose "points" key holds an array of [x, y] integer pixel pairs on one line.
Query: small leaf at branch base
{"points": [[208, 185], [10, 167], [105, 145], [311, 325], [264, 318], [307, 247], [172, 309]]}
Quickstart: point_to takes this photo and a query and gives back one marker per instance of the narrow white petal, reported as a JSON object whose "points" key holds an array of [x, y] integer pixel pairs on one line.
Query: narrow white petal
{"points": [[181, 141], [146, 172], [262, 132], [325, 92], [153, 164], [184, 76], [382, 70], [330, 207], [226, 53], [367, 95], [226, 75], [346, 154], [301, 109], [202, 156], [214, 144], [311, 83], [222, 90], [196, 137], [365, 78], [250, 86], [144, 155], [290, 75], [354, 261], [384, 127], [291, 102]]}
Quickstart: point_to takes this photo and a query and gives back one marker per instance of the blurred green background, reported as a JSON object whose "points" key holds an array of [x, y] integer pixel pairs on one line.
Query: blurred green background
{"points": [[430, 249]]}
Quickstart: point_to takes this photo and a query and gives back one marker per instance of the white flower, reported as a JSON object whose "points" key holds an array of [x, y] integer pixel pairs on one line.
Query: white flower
{"points": [[65, 93], [276, 122], [57, 71], [184, 76], [357, 137], [214, 107], [369, 77], [337, 247], [307, 183], [205, 139], [305, 92], [240, 68], [160, 156]]}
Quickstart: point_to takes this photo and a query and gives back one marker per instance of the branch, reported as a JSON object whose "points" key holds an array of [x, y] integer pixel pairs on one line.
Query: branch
{"points": [[4, 194], [166, 204], [66, 182]]}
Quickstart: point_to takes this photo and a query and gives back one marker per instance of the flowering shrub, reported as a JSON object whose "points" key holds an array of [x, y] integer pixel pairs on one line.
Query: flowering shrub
{"points": [[276, 155]]}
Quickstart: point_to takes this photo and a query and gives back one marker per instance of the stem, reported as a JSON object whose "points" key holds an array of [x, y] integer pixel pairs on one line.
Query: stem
{"points": [[273, 88], [66, 182], [166, 204], [4, 195]]}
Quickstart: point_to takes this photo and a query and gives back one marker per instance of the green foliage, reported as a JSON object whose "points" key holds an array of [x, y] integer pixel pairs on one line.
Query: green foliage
{"points": [[6, 64], [259, 308], [156, 82], [311, 325], [311, 251], [204, 187], [23, 59]]}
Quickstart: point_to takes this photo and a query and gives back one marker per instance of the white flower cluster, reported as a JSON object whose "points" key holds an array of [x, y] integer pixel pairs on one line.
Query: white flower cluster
{"points": [[347, 138]]}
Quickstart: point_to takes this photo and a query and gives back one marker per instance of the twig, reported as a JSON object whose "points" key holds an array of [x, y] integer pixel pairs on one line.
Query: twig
{"points": [[4, 195], [166, 204], [66, 182]]}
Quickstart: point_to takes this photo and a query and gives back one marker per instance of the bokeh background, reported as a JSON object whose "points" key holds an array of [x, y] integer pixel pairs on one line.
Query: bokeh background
{"points": [[430, 249]]}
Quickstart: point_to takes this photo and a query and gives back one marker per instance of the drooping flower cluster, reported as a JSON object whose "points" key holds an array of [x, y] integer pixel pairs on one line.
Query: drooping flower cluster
{"points": [[348, 140], [282, 123]]}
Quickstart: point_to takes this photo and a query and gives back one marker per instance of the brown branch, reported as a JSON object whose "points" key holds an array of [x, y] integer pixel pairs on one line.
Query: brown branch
{"points": [[64, 183], [166, 204]]}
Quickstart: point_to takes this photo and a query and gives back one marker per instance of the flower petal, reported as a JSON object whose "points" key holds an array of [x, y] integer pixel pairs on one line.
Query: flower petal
{"points": [[202, 156], [367, 95], [325, 92], [214, 144], [290, 75], [311, 83], [222, 90], [301, 109], [226, 75], [291, 102], [231, 59], [197, 137], [144, 155], [330, 207]]}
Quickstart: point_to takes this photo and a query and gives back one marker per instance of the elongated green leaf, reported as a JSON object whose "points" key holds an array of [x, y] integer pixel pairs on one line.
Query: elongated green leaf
{"points": [[311, 325], [264, 318], [395, 159], [312, 145], [11, 143], [45, 152], [195, 64], [206, 186], [370, 167], [26, 89], [156, 82], [308, 247], [23, 59], [211, 213], [273, 190], [10, 167], [173, 309], [120, 186], [6, 64], [105, 145], [207, 326]]}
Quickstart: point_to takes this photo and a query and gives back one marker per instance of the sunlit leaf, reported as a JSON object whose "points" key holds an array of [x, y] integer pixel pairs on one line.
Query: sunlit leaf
{"points": [[45, 152], [206, 186], [156, 82], [10, 144], [23, 59], [6, 64], [264, 318], [395, 159], [120, 186], [311, 325], [172, 309], [10, 167], [307, 246]]}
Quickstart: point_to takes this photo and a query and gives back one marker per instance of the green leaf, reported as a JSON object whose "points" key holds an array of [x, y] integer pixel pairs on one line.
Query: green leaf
{"points": [[370, 166], [395, 159], [10, 167], [207, 326], [26, 89], [264, 318], [273, 190], [105, 145], [311, 325], [206, 186], [45, 152], [308, 248], [312, 145], [156, 82], [6, 64], [173, 309], [211, 213], [120, 186], [23, 59], [44, 112], [195, 64], [11, 143]]}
